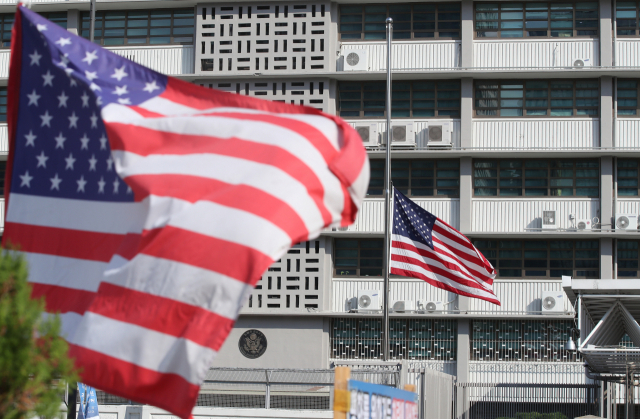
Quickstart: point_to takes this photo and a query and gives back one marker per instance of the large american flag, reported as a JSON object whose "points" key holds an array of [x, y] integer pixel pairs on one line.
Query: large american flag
{"points": [[148, 207], [425, 247]]}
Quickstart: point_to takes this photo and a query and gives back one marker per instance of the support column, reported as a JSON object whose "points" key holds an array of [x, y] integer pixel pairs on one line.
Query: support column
{"points": [[606, 111], [466, 112], [606, 258], [606, 34], [606, 192], [466, 191], [73, 22], [466, 33], [462, 363]]}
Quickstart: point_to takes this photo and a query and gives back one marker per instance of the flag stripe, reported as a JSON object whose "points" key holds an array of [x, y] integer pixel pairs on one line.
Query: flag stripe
{"points": [[62, 299], [80, 274]]}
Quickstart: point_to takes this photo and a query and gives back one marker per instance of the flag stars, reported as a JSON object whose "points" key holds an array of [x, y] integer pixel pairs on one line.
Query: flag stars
{"points": [[30, 139], [94, 87], [150, 87], [55, 182], [62, 100], [42, 160], [25, 180], [90, 57], [85, 142], [116, 184], [46, 119], [81, 183], [35, 58], [92, 163], [124, 101], [85, 100], [41, 28], [73, 120], [48, 79], [63, 41], [120, 90], [91, 75], [94, 120], [103, 142], [33, 98], [109, 164], [70, 162], [60, 139], [101, 184], [119, 73]]}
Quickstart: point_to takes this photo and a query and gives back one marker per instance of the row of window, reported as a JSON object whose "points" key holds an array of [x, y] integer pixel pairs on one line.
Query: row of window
{"points": [[355, 257]]}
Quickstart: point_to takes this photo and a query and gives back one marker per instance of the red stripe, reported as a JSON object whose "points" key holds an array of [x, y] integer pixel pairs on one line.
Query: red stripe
{"points": [[162, 314], [436, 270], [438, 284], [76, 244], [231, 259], [244, 197], [62, 299], [462, 240], [166, 391], [461, 256]]}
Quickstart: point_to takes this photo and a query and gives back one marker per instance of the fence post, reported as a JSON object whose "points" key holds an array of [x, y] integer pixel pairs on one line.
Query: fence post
{"points": [[267, 393], [423, 385]]}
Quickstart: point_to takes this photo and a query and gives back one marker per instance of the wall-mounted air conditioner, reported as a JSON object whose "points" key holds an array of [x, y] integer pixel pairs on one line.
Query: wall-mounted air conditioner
{"points": [[582, 62], [584, 224], [552, 302], [354, 60], [627, 222], [431, 306], [369, 300], [403, 134], [368, 132], [401, 306], [439, 134], [340, 228], [549, 220]]}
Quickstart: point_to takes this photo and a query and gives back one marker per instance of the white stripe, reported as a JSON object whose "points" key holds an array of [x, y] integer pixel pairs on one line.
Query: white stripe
{"points": [[75, 214], [144, 347], [199, 287], [231, 170], [359, 186], [65, 272], [69, 323]]}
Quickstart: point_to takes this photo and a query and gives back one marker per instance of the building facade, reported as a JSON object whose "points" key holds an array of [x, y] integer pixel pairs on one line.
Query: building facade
{"points": [[516, 123]]}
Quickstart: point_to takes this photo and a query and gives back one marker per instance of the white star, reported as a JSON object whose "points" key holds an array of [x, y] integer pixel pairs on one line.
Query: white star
{"points": [[63, 41], [120, 90], [41, 28], [85, 100], [109, 164], [60, 139], [94, 87], [103, 142], [48, 78], [101, 184], [124, 101], [99, 99], [129, 189], [150, 87], [81, 183], [91, 75], [116, 184], [30, 138], [35, 58], [33, 98], [63, 100], [92, 163], [119, 73], [85, 142], [70, 161], [55, 182], [42, 160], [72, 81], [46, 119], [64, 61], [90, 56], [94, 120], [73, 120], [26, 179]]}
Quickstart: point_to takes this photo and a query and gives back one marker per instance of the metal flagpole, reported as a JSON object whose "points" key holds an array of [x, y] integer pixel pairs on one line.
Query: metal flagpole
{"points": [[92, 12], [387, 201]]}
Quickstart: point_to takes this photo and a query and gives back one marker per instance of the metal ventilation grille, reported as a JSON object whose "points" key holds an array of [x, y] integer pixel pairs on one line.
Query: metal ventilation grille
{"points": [[399, 133], [364, 132], [430, 306], [364, 301], [353, 59], [582, 225], [622, 222], [548, 303], [435, 133]]}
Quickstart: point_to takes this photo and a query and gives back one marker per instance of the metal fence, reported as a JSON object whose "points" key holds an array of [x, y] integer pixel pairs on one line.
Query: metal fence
{"points": [[437, 393], [528, 401]]}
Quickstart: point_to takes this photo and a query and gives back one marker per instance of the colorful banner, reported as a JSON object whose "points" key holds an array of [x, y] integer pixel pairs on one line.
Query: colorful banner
{"points": [[377, 401]]}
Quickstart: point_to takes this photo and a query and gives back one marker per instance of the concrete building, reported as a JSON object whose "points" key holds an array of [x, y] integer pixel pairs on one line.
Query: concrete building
{"points": [[516, 123]]}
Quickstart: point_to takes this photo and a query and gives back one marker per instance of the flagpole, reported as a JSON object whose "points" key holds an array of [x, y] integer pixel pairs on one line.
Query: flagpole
{"points": [[387, 200], [92, 16]]}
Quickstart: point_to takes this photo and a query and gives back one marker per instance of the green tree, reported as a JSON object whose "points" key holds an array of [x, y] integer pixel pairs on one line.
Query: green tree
{"points": [[34, 364]]}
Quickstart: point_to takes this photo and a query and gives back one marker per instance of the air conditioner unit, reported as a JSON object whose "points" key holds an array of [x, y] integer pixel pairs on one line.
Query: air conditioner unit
{"points": [[369, 300], [369, 133], [340, 228], [439, 134], [431, 306], [552, 302], [403, 305], [354, 60], [549, 221], [403, 135], [582, 62], [627, 222], [584, 224]]}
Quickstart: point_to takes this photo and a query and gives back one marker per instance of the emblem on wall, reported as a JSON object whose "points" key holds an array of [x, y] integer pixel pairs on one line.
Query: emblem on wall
{"points": [[252, 344]]}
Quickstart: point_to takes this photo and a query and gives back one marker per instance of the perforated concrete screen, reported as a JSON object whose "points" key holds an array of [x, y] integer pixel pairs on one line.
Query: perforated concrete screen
{"points": [[310, 92], [262, 38], [294, 283]]}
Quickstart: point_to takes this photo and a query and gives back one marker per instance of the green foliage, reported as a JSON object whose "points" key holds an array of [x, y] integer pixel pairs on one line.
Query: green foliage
{"points": [[34, 365]]}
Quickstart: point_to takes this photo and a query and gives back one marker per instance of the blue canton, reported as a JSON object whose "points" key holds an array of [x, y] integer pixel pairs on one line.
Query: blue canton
{"points": [[61, 147], [411, 220]]}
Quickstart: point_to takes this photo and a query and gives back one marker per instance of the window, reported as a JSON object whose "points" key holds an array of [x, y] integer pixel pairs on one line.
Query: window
{"points": [[536, 178], [410, 21], [627, 97], [142, 27], [627, 177], [417, 177], [542, 258], [418, 339], [358, 257], [417, 99], [537, 98], [3, 171], [6, 23], [522, 340], [627, 18], [3, 104], [627, 258], [548, 20]]}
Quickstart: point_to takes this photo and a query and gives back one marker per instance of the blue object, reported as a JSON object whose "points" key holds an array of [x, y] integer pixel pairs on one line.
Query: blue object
{"points": [[88, 402]]}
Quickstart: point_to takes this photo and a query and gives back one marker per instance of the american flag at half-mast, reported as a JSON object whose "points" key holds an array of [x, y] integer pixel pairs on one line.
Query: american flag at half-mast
{"points": [[425, 247], [148, 207]]}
